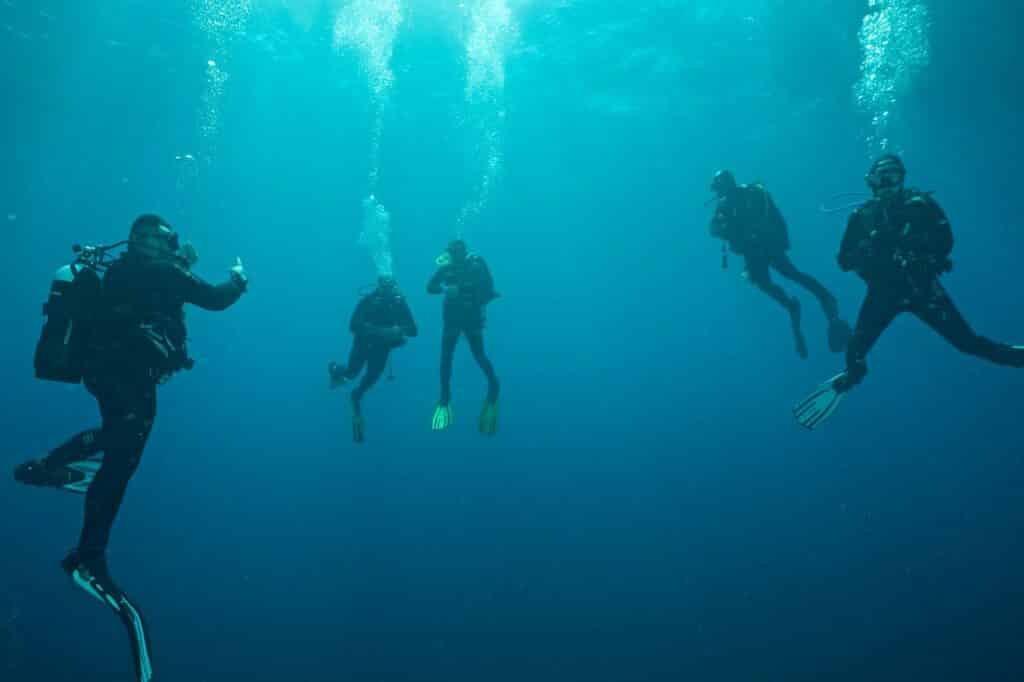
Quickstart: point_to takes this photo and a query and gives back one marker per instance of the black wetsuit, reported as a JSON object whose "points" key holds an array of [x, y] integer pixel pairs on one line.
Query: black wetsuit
{"points": [[374, 317], [753, 226], [465, 313], [139, 342], [900, 248]]}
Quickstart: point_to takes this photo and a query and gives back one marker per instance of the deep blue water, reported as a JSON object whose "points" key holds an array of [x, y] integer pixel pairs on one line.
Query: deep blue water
{"points": [[648, 511]]}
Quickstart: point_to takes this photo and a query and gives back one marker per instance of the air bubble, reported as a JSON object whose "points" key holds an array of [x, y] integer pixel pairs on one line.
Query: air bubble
{"points": [[894, 42]]}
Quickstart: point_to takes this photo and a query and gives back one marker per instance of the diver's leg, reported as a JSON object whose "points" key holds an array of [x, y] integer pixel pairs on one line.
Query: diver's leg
{"points": [[476, 345], [129, 408], [449, 339], [377, 362], [759, 274], [81, 447], [879, 309], [341, 374], [53, 470], [93, 577], [940, 313], [357, 358], [785, 267]]}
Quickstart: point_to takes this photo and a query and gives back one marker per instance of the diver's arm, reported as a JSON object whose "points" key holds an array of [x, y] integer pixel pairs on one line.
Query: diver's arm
{"points": [[358, 325], [434, 286], [771, 209], [362, 327], [851, 250], [486, 284], [927, 238], [208, 296], [719, 225], [942, 232], [372, 331]]}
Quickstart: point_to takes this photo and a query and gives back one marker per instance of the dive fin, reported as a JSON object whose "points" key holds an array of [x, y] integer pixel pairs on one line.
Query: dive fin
{"points": [[88, 468], [443, 417], [813, 410], [94, 579], [488, 422], [75, 477]]}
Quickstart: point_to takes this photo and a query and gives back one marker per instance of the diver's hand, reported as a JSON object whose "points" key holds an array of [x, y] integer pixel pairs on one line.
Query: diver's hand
{"points": [[239, 276], [188, 254], [452, 292], [395, 334], [907, 258]]}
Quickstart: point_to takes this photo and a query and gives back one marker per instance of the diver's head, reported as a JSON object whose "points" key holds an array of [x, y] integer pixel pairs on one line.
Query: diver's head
{"points": [[724, 183], [151, 237], [886, 176], [388, 286], [458, 251]]}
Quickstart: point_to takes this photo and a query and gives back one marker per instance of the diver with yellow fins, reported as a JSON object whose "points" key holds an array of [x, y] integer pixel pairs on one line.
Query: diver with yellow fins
{"points": [[465, 280]]}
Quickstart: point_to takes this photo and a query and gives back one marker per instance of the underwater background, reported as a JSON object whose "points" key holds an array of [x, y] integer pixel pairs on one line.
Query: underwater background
{"points": [[649, 511]]}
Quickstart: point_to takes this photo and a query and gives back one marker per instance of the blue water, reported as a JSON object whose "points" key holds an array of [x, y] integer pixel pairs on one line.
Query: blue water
{"points": [[648, 512]]}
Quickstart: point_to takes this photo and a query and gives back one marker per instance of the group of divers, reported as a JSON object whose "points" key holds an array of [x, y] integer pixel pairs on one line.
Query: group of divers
{"points": [[115, 323]]}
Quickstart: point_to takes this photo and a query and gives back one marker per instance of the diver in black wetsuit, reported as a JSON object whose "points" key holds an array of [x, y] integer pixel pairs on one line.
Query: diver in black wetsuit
{"points": [[466, 282], [380, 323], [747, 219], [899, 243], [137, 343]]}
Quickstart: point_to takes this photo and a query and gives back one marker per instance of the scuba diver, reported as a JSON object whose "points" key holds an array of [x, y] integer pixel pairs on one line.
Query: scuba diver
{"points": [[380, 323], [467, 285], [750, 224], [122, 335], [899, 243]]}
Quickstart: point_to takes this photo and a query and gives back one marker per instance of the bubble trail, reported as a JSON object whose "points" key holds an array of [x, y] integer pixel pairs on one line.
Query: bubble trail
{"points": [[369, 28], [376, 235], [491, 32], [222, 21], [895, 49]]}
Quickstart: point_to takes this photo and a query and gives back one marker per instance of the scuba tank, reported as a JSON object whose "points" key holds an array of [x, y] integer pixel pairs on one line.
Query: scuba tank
{"points": [[60, 353], [71, 311]]}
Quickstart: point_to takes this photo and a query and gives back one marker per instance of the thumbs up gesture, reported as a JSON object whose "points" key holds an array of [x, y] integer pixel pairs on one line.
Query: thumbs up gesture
{"points": [[238, 275]]}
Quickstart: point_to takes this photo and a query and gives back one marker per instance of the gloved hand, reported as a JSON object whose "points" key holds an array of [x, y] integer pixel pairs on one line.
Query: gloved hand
{"points": [[238, 275], [188, 255]]}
